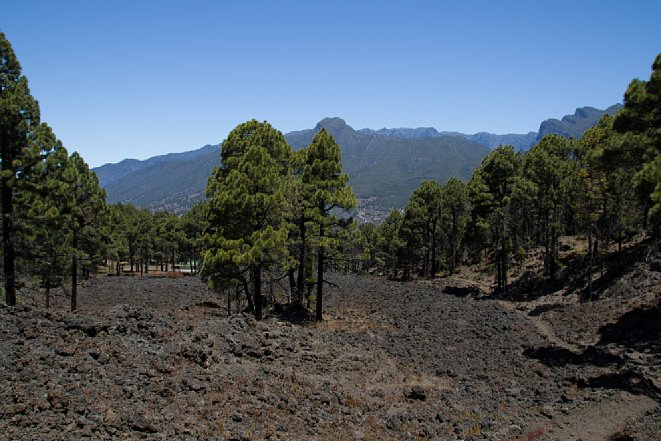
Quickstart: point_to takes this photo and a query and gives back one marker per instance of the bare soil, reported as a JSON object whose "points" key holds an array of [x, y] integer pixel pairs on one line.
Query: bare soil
{"points": [[158, 358]]}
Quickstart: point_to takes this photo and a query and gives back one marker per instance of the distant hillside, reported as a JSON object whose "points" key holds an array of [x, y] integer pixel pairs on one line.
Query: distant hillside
{"points": [[386, 169], [384, 165], [173, 182], [383, 170], [575, 125]]}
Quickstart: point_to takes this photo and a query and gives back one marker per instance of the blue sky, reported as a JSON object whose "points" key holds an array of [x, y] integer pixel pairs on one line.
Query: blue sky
{"points": [[118, 79]]}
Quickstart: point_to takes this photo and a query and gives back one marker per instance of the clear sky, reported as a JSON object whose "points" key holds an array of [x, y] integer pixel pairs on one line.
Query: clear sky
{"points": [[139, 78]]}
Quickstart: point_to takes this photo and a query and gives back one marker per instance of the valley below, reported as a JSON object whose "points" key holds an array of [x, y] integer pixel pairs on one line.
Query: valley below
{"points": [[158, 358]]}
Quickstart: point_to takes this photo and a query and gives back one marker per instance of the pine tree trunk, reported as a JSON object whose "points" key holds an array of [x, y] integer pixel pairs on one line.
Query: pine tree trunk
{"points": [[47, 293], [257, 287], [433, 255], [553, 264], [238, 299], [74, 272], [320, 278], [301, 265], [246, 288], [504, 269], [425, 261], [8, 227], [590, 262], [453, 246], [293, 290], [499, 276]]}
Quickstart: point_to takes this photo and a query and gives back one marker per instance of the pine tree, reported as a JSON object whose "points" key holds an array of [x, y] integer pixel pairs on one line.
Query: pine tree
{"points": [[422, 218], [390, 244], [455, 199], [19, 115], [194, 225], [302, 213], [247, 228], [84, 212], [640, 122], [549, 167], [328, 188], [40, 224], [491, 188]]}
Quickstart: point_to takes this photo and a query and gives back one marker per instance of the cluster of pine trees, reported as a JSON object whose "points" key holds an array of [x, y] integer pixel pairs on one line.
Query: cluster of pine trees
{"points": [[274, 213], [52, 204], [605, 187], [137, 239], [56, 224]]}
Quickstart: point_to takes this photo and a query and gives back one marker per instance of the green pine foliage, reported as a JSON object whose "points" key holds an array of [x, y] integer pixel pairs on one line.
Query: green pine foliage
{"points": [[19, 118], [640, 124], [270, 208], [248, 231], [327, 191]]}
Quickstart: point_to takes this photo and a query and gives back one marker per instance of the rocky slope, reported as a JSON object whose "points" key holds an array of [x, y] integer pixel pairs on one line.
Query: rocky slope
{"points": [[157, 358]]}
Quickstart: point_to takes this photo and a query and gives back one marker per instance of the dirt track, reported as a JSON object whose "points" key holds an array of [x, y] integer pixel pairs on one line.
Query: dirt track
{"points": [[157, 359]]}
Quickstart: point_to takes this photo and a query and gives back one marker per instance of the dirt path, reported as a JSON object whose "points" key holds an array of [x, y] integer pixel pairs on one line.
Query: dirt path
{"points": [[600, 421], [542, 326], [545, 330]]}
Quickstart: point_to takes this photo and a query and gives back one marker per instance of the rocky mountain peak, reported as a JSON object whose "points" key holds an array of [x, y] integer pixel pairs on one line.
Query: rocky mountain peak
{"points": [[330, 124]]}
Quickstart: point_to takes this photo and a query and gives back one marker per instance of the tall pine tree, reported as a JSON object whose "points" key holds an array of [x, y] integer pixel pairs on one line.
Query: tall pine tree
{"points": [[329, 191], [247, 229], [19, 115]]}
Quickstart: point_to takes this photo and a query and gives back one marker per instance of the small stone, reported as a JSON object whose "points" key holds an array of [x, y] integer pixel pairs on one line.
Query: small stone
{"points": [[140, 424], [64, 352], [416, 393], [193, 384]]}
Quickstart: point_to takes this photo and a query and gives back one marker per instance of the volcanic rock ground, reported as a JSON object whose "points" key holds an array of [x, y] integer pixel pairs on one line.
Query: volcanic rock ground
{"points": [[158, 358]]}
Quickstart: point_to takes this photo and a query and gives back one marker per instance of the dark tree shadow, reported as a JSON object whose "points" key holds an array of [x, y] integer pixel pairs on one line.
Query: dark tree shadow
{"points": [[528, 287], [627, 381], [554, 356], [293, 313], [462, 292], [541, 309], [639, 329], [572, 275], [617, 265]]}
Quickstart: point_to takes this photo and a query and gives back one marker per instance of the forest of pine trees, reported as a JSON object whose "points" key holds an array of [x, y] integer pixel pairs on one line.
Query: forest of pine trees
{"points": [[278, 219], [56, 225], [604, 187]]}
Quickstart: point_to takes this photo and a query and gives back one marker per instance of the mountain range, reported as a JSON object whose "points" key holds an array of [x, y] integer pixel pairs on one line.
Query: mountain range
{"points": [[569, 126], [384, 165]]}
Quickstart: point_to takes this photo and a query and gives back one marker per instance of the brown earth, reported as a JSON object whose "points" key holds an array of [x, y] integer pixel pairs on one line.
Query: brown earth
{"points": [[157, 358]]}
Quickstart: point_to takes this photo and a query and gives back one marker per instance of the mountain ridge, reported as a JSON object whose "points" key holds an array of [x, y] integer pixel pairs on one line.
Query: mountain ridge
{"points": [[384, 165], [576, 124]]}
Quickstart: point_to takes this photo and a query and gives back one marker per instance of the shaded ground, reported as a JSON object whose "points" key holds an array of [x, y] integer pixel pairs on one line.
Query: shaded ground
{"points": [[157, 358]]}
